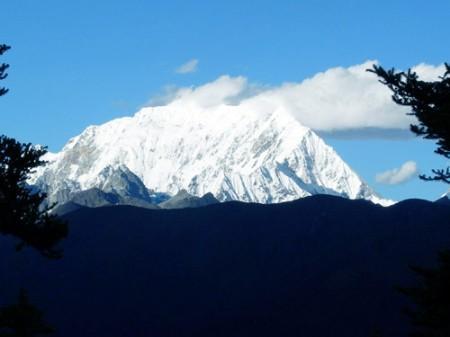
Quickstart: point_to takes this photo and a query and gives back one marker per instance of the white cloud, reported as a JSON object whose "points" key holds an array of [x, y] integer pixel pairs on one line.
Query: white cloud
{"points": [[188, 67], [398, 175], [337, 100], [211, 94], [429, 72]]}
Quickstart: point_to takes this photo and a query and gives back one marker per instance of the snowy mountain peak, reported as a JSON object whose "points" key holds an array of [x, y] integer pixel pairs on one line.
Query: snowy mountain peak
{"points": [[255, 156]]}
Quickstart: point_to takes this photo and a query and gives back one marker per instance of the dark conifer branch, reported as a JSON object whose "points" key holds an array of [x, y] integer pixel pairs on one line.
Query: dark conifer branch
{"points": [[429, 102], [3, 68], [22, 212]]}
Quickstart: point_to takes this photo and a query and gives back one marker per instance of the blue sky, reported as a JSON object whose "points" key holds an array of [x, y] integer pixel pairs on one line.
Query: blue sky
{"points": [[79, 63]]}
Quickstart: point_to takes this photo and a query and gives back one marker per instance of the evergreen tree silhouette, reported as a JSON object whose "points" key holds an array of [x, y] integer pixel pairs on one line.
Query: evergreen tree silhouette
{"points": [[23, 319], [429, 102], [22, 213], [431, 315]]}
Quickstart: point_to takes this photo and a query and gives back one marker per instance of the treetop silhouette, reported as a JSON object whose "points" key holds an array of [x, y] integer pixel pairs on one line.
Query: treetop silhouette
{"points": [[23, 319], [22, 212], [429, 102]]}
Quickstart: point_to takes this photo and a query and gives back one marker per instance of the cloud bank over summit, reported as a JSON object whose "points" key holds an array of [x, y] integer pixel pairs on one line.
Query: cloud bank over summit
{"points": [[336, 100]]}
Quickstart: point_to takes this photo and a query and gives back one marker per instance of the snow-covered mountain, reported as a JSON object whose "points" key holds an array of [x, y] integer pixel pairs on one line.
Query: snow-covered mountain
{"points": [[254, 156]]}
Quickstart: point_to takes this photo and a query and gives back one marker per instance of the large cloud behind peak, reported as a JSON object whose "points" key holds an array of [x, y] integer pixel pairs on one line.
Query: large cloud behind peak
{"points": [[336, 100]]}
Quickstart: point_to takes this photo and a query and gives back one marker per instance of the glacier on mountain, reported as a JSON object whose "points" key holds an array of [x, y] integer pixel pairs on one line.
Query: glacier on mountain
{"points": [[234, 152]]}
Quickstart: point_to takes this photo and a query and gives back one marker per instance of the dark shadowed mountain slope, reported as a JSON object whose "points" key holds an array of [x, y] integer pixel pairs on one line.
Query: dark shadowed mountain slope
{"points": [[444, 200], [318, 267]]}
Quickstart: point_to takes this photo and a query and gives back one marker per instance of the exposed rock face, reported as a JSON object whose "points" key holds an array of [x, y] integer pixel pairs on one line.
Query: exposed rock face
{"points": [[95, 197], [184, 200]]}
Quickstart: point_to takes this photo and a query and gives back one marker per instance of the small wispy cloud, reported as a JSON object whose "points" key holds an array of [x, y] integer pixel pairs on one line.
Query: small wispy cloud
{"points": [[188, 67], [398, 175]]}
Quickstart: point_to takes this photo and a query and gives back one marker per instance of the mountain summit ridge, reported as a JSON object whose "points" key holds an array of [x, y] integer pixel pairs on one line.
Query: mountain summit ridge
{"points": [[257, 156]]}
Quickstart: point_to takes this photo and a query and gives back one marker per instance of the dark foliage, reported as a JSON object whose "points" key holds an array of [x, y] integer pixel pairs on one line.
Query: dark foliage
{"points": [[430, 103], [21, 210], [22, 319], [431, 315], [319, 267], [3, 68]]}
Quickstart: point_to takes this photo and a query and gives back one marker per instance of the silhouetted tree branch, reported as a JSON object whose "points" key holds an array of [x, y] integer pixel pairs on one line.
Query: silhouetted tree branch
{"points": [[429, 102], [3, 68], [22, 213], [23, 319]]}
